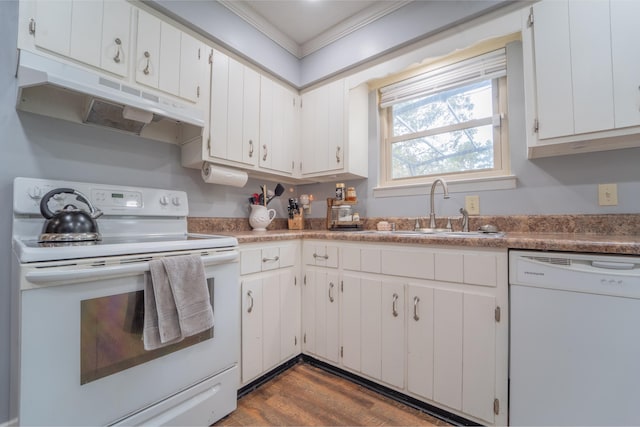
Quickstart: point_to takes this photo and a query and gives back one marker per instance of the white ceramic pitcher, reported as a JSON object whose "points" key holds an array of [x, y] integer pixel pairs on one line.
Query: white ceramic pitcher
{"points": [[260, 217]]}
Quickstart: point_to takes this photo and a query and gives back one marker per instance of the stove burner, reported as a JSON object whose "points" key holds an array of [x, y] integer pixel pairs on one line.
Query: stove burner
{"points": [[69, 237], [54, 244]]}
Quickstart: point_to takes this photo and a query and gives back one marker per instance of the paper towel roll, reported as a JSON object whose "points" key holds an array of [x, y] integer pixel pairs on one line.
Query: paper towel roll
{"points": [[213, 174]]}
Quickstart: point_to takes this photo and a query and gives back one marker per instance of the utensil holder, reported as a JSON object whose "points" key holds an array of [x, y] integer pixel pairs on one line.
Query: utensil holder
{"points": [[297, 223]]}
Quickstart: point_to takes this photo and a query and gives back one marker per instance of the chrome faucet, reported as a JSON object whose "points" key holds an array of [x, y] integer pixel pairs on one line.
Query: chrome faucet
{"points": [[432, 214]]}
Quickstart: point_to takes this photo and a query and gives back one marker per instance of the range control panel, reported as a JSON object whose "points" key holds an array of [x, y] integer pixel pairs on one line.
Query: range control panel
{"points": [[110, 199]]}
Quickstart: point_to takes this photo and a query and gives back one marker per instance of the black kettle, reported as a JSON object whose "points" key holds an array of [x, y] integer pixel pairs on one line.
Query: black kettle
{"points": [[69, 224]]}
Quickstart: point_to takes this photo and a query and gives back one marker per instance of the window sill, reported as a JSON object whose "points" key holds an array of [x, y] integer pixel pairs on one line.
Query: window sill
{"points": [[458, 186]]}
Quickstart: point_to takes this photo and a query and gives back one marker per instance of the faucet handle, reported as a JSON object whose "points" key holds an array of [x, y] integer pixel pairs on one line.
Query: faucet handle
{"points": [[465, 219]]}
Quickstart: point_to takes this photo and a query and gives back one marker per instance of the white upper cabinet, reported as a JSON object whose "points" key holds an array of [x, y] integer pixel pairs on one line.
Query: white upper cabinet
{"points": [[278, 126], [235, 111], [626, 62], [335, 132], [169, 59], [581, 76], [94, 32]]}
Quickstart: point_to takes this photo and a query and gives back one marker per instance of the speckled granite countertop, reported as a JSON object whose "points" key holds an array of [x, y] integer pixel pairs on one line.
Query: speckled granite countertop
{"points": [[573, 242], [617, 234]]}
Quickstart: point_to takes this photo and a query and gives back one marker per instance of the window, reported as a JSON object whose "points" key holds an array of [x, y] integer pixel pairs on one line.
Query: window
{"points": [[446, 122]]}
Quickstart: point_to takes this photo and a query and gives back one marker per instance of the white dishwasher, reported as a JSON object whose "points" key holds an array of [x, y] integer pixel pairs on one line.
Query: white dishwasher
{"points": [[574, 339]]}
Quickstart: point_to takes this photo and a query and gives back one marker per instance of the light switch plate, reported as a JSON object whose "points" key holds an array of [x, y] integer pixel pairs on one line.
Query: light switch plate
{"points": [[472, 204], [608, 194]]}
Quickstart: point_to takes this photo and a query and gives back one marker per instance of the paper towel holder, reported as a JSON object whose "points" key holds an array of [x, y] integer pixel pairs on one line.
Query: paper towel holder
{"points": [[214, 174]]}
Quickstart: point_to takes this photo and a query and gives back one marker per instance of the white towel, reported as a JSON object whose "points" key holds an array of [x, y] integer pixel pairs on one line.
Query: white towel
{"points": [[177, 301]]}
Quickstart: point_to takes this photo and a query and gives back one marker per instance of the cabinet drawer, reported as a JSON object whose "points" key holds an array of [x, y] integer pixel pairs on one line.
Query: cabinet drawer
{"points": [[469, 268], [254, 260], [357, 259], [418, 264], [250, 261], [480, 269], [321, 255]]}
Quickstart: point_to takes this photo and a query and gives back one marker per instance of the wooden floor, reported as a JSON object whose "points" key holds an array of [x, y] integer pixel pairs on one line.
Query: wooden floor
{"points": [[308, 396]]}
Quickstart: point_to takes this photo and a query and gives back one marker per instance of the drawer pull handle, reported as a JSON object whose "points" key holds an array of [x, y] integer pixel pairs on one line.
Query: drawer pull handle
{"points": [[330, 291], [320, 256], [118, 43], [250, 295], [274, 259], [146, 69], [394, 305], [416, 301]]}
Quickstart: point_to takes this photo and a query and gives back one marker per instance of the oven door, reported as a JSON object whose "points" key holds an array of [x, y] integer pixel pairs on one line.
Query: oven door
{"points": [[82, 360]]}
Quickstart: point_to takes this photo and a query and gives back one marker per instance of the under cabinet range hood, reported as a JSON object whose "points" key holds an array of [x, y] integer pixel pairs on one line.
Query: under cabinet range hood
{"points": [[57, 89]]}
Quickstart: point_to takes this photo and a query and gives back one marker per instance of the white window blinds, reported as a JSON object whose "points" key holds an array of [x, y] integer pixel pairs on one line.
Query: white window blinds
{"points": [[483, 67]]}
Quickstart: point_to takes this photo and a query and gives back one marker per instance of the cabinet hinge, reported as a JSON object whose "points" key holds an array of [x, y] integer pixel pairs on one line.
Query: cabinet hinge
{"points": [[341, 351], [295, 280], [293, 165], [304, 338], [342, 286], [536, 126], [496, 313], [211, 57], [496, 406], [209, 144], [198, 53], [32, 26], [295, 340], [530, 19]]}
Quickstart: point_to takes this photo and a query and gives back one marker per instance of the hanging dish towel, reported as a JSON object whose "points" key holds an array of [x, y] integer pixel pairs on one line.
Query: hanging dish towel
{"points": [[176, 299]]}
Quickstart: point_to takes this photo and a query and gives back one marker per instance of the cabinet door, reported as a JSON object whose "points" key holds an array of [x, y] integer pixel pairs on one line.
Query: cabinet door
{"points": [[271, 340], [335, 144], [219, 97], [420, 340], [251, 329], [309, 313], [626, 62], [350, 321], [447, 357], [250, 115], [479, 356], [371, 323], [235, 110], [327, 326], [169, 63], [553, 68], [148, 49], [277, 127], [193, 67], [116, 39], [592, 76], [86, 31], [393, 347], [289, 315], [53, 21]]}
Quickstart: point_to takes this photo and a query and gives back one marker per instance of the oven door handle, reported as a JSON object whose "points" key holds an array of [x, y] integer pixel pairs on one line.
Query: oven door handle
{"points": [[45, 276]]}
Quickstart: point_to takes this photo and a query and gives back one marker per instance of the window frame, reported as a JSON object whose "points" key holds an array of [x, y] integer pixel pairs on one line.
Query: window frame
{"points": [[501, 147]]}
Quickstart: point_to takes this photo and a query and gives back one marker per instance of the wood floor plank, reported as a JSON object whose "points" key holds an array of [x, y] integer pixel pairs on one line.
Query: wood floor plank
{"points": [[308, 396]]}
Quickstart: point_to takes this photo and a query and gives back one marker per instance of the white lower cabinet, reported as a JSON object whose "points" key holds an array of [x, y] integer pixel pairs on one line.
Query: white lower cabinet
{"points": [[432, 324], [271, 303]]}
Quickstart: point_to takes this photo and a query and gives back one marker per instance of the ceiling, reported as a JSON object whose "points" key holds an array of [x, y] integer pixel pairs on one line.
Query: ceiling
{"points": [[304, 26]]}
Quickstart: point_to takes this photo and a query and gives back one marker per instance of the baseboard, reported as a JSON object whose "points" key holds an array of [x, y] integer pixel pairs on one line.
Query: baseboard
{"points": [[434, 411], [268, 376]]}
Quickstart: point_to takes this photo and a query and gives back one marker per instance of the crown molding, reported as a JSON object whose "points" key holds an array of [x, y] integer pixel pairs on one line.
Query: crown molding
{"points": [[342, 29], [352, 24]]}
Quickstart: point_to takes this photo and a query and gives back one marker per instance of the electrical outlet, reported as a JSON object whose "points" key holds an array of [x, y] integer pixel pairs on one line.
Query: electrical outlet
{"points": [[608, 194], [472, 204]]}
